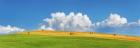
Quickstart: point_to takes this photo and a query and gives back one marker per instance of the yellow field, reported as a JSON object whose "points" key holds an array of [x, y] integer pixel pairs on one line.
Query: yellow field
{"points": [[84, 34]]}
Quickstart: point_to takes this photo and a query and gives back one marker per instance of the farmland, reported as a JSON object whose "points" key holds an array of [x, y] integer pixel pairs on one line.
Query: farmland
{"points": [[41, 41], [54, 39], [82, 34]]}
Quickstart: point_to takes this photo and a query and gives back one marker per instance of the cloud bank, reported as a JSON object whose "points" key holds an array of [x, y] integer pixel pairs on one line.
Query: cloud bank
{"points": [[9, 29], [115, 23], [116, 19], [113, 20], [71, 22], [81, 22]]}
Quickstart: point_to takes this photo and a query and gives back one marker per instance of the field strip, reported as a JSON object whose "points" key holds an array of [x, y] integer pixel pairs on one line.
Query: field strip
{"points": [[83, 34]]}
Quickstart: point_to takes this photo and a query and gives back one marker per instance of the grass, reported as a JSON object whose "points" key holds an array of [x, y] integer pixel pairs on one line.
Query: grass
{"points": [[38, 41]]}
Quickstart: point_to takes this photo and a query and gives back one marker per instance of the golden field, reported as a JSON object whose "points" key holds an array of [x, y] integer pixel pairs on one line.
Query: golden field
{"points": [[82, 34]]}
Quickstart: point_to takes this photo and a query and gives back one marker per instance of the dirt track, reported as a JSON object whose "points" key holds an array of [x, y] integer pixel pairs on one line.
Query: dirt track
{"points": [[84, 34]]}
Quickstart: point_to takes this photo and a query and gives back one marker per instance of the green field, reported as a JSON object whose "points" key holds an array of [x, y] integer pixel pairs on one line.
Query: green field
{"points": [[36, 41]]}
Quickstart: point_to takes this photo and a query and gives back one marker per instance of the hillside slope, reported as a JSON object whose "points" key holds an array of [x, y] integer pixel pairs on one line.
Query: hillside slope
{"points": [[41, 41], [84, 34]]}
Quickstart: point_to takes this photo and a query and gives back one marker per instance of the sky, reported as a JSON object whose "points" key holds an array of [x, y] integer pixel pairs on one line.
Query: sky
{"points": [[30, 14]]}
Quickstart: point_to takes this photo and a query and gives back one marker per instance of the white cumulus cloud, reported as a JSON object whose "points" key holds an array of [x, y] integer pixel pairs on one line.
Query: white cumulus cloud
{"points": [[119, 24], [116, 19], [68, 22], [46, 28], [9, 29], [113, 20], [139, 21]]}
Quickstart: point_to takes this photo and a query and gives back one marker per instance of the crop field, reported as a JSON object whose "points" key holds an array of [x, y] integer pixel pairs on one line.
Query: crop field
{"points": [[63, 41], [40, 41], [82, 34]]}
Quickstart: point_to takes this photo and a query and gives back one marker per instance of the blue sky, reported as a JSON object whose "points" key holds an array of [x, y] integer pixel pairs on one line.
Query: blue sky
{"points": [[30, 13]]}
